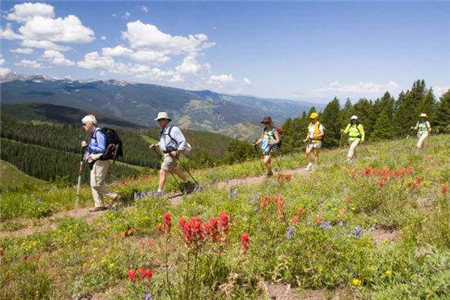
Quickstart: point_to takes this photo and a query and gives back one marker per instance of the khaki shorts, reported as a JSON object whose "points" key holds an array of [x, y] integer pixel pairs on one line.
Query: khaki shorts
{"points": [[313, 145], [169, 162]]}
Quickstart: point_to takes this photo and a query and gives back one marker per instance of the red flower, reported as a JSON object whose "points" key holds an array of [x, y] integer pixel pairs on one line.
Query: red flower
{"points": [[444, 189], [295, 219], [299, 210], [167, 220], [159, 228], [131, 231], [223, 222], [348, 199], [148, 274], [142, 272], [37, 256], [342, 211], [123, 234], [265, 202], [382, 182], [182, 222], [318, 218], [419, 180], [131, 275], [150, 243], [1, 252], [244, 242], [24, 257]]}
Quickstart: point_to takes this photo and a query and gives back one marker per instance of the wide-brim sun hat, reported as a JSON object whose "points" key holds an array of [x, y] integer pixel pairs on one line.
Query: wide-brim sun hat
{"points": [[266, 119], [163, 116], [314, 115], [354, 117], [423, 115]]}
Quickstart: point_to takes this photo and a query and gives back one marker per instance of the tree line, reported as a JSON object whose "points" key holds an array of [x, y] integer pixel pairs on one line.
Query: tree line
{"points": [[51, 165]]}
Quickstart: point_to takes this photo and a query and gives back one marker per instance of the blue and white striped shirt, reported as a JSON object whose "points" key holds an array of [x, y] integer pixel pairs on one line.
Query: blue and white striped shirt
{"points": [[177, 141]]}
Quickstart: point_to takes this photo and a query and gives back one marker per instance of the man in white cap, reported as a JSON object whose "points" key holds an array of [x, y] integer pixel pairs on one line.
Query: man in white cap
{"points": [[172, 142], [356, 135], [423, 128], [99, 168]]}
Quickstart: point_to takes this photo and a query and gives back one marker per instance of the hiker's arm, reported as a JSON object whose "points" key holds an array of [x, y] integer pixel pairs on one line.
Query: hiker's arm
{"points": [[277, 137], [363, 134], [101, 143], [347, 129], [415, 127], [178, 136], [429, 127], [154, 145], [260, 139]]}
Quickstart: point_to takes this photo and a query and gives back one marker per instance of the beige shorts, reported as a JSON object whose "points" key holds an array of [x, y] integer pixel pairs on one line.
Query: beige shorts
{"points": [[169, 162], [317, 145]]}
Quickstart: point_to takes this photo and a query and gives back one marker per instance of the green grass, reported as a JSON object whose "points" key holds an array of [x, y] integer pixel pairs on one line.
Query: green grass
{"points": [[326, 255], [13, 179]]}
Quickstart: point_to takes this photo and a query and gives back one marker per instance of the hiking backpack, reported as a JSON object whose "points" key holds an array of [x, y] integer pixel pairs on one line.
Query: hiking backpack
{"points": [[279, 129], [187, 149], [114, 148]]}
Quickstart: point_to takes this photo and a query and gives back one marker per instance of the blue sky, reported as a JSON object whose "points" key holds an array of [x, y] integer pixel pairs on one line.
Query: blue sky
{"points": [[293, 50]]}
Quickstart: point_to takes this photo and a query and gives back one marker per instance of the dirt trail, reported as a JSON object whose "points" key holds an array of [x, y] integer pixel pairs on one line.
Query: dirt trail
{"points": [[83, 213]]}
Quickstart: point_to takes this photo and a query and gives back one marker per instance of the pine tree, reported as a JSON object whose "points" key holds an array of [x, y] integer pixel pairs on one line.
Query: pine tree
{"points": [[330, 119], [384, 127], [442, 118], [428, 105], [408, 109]]}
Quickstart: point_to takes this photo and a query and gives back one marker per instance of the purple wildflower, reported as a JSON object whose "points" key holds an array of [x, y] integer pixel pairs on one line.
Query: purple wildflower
{"points": [[358, 232], [326, 225], [290, 232]]}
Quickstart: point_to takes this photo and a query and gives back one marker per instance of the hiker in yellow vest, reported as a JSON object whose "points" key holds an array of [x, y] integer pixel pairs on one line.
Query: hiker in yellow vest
{"points": [[313, 140], [269, 140], [423, 128], [356, 135]]}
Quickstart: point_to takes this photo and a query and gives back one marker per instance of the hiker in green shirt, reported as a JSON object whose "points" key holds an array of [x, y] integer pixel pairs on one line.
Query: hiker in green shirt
{"points": [[356, 135], [423, 128]]}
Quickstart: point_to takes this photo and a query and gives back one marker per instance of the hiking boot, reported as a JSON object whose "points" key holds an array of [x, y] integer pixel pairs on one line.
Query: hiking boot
{"points": [[98, 208], [309, 167], [269, 174], [189, 187]]}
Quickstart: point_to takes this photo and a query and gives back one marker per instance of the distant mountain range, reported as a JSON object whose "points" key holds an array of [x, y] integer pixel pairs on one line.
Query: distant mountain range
{"points": [[236, 116]]}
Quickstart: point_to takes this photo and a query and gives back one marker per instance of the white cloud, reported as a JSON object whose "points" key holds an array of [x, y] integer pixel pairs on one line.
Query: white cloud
{"points": [[47, 45], [68, 30], [190, 65], [440, 90], [57, 58], [4, 71], [93, 60], [103, 37], [247, 81], [22, 50], [126, 15], [143, 8], [370, 88], [40, 29], [9, 34], [116, 51], [2, 60], [143, 36], [26, 12], [114, 15], [224, 78], [29, 64]]}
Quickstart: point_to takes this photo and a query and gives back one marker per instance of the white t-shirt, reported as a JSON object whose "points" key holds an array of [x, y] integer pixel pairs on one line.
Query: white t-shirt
{"points": [[311, 130]]}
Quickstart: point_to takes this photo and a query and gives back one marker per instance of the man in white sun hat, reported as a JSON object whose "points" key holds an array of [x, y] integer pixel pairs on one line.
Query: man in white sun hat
{"points": [[172, 142], [356, 135], [423, 128], [99, 167]]}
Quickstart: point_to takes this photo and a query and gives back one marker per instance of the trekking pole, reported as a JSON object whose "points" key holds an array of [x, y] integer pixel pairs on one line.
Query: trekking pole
{"points": [[171, 173], [276, 159], [364, 146], [259, 159], [184, 166], [80, 171]]}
